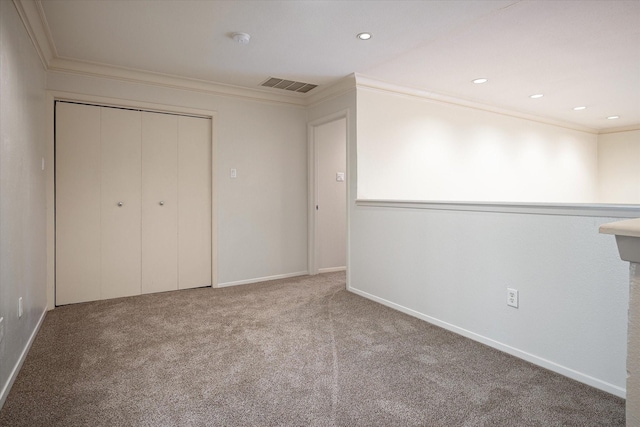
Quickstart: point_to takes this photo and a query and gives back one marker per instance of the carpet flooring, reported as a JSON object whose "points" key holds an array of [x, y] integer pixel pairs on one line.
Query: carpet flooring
{"points": [[294, 352]]}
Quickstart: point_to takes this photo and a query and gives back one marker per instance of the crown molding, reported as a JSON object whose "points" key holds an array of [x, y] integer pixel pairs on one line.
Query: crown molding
{"points": [[91, 69], [365, 82], [34, 20], [32, 14], [32, 17], [342, 86], [619, 129]]}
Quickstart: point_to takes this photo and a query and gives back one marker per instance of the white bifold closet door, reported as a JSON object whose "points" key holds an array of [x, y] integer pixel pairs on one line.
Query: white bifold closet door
{"points": [[120, 157], [78, 203], [194, 202], [133, 202], [159, 202]]}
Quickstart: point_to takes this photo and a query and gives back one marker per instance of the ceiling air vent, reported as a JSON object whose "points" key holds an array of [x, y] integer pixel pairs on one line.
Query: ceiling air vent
{"points": [[289, 85]]}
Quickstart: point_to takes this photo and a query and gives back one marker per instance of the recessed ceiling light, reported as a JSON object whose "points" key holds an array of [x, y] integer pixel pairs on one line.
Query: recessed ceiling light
{"points": [[479, 81], [579, 108], [536, 96], [364, 36], [613, 117]]}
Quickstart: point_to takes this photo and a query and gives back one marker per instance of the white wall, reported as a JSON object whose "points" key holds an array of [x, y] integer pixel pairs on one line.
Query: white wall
{"points": [[22, 192], [452, 267], [411, 148], [331, 157], [619, 167], [262, 221]]}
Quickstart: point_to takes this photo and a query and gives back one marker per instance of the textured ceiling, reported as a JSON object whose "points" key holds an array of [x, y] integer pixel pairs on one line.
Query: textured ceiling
{"points": [[577, 53]]}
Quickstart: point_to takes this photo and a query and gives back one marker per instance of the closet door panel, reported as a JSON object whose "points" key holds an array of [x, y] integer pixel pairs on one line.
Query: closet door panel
{"points": [[77, 173], [159, 202], [120, 204], [194, 202]]}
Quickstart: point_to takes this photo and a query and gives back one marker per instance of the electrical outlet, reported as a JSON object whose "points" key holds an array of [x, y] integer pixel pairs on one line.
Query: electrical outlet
{"points": [[19, 307], [512, 297]]}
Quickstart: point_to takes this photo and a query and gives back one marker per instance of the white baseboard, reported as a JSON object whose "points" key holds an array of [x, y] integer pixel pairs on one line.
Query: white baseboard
{"points": [[547, 364], [331, 269], [16, 369], [262, 279]]}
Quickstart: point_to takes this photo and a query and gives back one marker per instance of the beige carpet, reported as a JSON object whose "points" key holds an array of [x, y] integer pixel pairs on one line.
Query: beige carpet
{"points": [[296, 352]]}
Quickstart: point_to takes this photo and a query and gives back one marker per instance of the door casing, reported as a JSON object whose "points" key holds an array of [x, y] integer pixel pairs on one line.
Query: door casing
{"points": [[312, 234]]}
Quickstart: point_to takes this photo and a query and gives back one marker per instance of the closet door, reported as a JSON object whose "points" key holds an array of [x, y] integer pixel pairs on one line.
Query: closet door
{"points": [[133, 202], [194, 202], [77, 170], [159, 202], [120, 202]]}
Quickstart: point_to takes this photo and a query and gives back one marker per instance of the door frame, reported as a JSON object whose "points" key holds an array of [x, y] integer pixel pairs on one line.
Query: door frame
{"points": [[49, 170], [312, 162]]}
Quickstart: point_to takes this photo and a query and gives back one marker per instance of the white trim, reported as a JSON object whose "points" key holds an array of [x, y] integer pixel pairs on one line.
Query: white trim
{"points": [[330, 118], [339, 88], [32, 16], [312, 190], [363, 82], [566, 209], [51, 97], [214, 199], [262, 279], [50, 190], [619, 129], [16, 369], [536, 360], [312, 196], [128, 103], [45, 35], [331, 269], [91, 69]]}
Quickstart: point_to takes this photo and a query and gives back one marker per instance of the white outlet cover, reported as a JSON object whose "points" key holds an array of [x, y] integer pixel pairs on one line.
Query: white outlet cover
{"points": [[234, 173], [512, 297], [19, 307], [340, 176], [1, 328]]}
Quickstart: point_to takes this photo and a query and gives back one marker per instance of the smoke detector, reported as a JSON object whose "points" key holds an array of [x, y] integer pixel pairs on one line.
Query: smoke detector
{"points": [[241, 38]]}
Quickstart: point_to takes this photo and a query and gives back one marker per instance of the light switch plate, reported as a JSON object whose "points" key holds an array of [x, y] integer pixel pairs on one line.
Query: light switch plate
{"points": [[1, 328], [234, 173]]}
